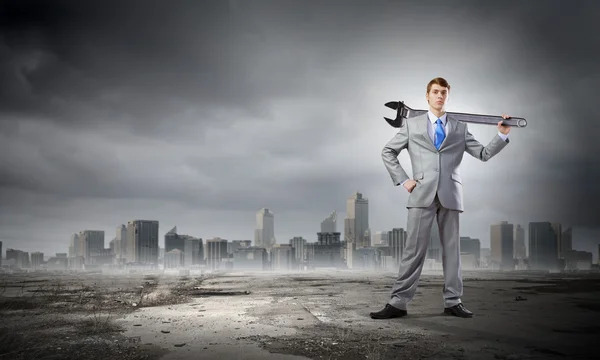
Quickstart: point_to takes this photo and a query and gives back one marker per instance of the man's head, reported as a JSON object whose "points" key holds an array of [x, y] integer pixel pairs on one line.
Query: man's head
{"points": [[438, 90]]}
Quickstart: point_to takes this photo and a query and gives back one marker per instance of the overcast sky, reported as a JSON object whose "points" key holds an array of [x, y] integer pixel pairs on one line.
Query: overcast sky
{"points": [[197, 114]]}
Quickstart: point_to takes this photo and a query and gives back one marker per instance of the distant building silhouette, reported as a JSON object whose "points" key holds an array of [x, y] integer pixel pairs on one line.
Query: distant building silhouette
{"points": [[264, 235], [501, 246], [543, 246], [142, 241]]}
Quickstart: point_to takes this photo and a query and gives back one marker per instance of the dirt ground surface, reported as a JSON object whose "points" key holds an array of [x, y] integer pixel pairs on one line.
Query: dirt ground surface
{"points": [[312, 315]]}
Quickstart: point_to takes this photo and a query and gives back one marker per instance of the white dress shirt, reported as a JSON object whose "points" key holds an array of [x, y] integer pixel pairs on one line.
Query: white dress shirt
{"points": [[432, 126]]}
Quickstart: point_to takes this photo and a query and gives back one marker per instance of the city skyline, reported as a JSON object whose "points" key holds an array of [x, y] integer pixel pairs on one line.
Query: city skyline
{"points": [[585, 239], [588, 239], [201, 118]]}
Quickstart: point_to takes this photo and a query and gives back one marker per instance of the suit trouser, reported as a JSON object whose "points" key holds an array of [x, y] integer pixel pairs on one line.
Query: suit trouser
{"points": [[420, 222]]}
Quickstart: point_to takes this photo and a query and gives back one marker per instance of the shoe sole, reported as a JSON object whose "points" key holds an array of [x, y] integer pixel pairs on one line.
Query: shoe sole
{"points": [[383, 318], [453, 314]]}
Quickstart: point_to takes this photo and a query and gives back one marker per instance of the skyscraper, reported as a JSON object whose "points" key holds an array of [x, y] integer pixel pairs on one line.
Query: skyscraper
{"points": [[121, 241], [216, 250], [501, 244], [543, 248], [90, 243], [566, 241], [37, 259], [520, 251], [397, 242], [264, 235], [74, 246], [173, 240], [357, 221], [472, 247], [558, 231], [142, 241], [299, 245]]}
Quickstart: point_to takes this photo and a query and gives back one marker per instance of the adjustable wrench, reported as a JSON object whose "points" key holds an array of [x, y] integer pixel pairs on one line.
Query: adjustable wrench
{"points": [[404, 112]]}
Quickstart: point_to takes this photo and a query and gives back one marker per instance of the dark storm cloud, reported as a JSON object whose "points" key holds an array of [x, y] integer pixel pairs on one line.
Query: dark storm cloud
{"points": [[82, 62]]}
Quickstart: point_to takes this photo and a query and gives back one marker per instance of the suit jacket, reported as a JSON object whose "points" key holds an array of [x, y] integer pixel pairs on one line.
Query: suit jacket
{"points": [[435, 171]]}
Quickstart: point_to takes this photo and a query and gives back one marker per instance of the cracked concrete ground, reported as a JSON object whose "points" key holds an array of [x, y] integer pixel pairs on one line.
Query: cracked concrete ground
{"points": [[325, 315]]}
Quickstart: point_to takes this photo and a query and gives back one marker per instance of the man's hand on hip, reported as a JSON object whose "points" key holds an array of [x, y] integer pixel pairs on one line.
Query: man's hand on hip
{"points": [[409, 185]]}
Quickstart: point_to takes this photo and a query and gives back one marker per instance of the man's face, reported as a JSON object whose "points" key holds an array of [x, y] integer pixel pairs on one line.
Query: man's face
{"points": [[437, 97]]}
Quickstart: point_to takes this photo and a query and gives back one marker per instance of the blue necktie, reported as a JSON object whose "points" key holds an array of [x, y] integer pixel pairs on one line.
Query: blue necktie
{"points": [[439, 134]]}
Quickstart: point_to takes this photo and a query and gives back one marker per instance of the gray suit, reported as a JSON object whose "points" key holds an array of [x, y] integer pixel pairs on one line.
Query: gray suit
{"points": [[438, 192]]}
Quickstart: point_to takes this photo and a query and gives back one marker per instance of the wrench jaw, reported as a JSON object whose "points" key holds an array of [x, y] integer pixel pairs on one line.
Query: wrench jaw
{"points": [[392, 105], [402, 112]]}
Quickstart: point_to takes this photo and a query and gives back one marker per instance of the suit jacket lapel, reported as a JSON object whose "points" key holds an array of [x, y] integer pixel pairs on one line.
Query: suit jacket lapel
{"points": [[424, 131]]}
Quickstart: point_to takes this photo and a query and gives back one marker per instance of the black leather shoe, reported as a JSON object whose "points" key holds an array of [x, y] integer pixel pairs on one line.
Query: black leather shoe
{"points": [[458, 310], [388, 312]]}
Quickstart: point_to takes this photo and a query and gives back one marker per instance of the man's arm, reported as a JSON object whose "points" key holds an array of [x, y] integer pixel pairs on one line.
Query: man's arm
{"points": [[390, 153], [484, 153]]}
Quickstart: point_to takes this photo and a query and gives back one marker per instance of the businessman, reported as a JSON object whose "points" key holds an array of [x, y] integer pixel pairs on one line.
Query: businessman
{"points": [[435, 143]]}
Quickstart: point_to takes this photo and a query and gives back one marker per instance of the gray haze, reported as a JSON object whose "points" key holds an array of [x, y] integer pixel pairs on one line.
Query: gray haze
{"points": [[198, 113]]}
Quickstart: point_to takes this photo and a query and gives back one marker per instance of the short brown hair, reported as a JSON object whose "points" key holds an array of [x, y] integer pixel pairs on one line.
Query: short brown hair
{"points": [[439, 81]]}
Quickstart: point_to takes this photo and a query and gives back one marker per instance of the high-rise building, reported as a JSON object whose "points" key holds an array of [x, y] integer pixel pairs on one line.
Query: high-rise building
{"points": [[566, 241], [37, 260], [356, 223], [91, 242], [543, 248], [299, 245], [75, 246], [0, 253], [557, 229], [216, 250], [329, 224], [193, 250], [397, 242], [142, 241], [173, 240], [326, 252], [18, 257], [519, 246], [501, 245], [283, 258], [264, 235], [121, 242], [472, 247]]}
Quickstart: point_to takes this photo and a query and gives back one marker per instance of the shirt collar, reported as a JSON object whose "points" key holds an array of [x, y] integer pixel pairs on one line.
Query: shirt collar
{"points": [[434, 118]]}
